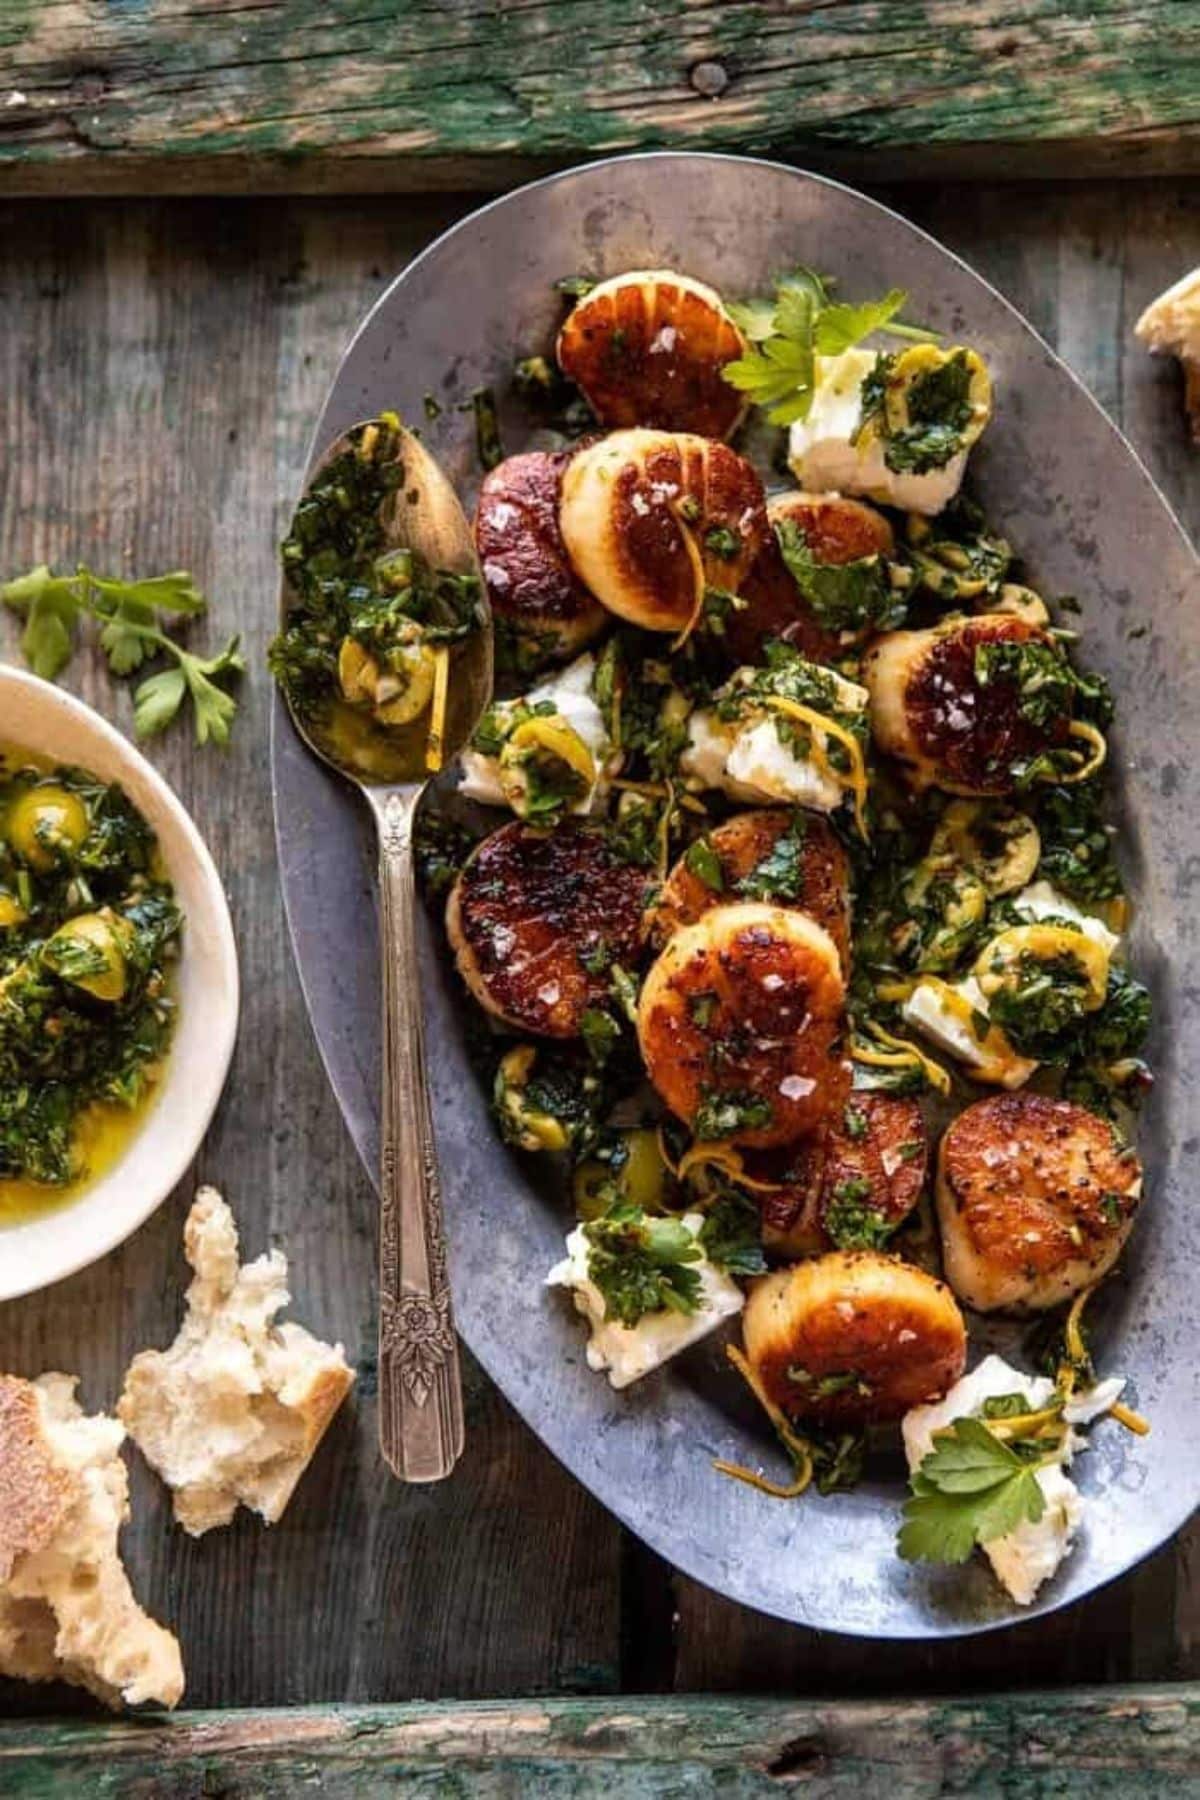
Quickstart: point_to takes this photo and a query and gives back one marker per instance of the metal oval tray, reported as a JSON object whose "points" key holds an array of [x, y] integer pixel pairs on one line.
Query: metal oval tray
{"points": [[1070, 493]]}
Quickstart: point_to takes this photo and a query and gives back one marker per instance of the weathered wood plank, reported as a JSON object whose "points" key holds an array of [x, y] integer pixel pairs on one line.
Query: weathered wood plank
{"points": [[1131, 1743], [160, 369], [303, 95]]}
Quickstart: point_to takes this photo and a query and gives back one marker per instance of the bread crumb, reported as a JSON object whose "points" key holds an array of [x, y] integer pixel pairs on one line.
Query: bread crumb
{"points": [[231, 1414]]}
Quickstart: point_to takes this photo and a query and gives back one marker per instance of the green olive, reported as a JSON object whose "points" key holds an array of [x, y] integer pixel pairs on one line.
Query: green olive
{"points": [[12, 913], [45, 824], [955, 898], [1001, 844], [90, 952], [358, 673], [639, 1180], [521, 1124], [405, 685]]}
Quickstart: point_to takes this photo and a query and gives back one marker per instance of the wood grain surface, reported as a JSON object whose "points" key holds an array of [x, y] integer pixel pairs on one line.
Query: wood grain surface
{"points": [[307, 95], [1126, 1743], [160, 367]]}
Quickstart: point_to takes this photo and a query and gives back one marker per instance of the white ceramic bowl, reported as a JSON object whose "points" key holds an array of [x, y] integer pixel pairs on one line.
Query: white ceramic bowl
{"points": [[43, 719]]}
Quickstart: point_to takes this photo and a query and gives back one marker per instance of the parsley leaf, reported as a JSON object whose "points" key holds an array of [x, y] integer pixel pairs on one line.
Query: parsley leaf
{"points": [[970, 1489], [732, 1235], [640, 1264], [851, 1222], [721, 1112], [840, 326], [130, 615], [702, 861], [779, 875], [849, 596]]}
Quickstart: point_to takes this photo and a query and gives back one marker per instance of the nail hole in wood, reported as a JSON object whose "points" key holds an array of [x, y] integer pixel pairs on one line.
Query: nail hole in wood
{"points": [[709, 79]]}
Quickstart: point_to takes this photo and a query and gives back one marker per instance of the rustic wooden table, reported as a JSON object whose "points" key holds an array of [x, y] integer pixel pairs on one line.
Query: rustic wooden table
{"points": [[161, 362], [160, 366]]}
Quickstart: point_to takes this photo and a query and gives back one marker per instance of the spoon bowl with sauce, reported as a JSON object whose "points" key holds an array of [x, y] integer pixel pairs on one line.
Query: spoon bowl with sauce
{"points": [[384, 658]]}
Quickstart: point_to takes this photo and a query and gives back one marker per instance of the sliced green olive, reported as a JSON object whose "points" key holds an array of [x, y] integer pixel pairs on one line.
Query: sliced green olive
{"points": [[90, 952], [12, 913], [46, 824], [924, 360], [1022, 603], [956, 898], [640, 1179], [405, 685], [545, 759], [1000, 843], [522, 1124]]}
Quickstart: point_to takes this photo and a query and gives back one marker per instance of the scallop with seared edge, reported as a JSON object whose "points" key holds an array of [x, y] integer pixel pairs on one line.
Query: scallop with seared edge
{"points": [[654, 521], [648, 347], [772, 853], [741, 1023], [541, 609], [1035, 1198], [969, 704], [853, 1336], [537, 919]]}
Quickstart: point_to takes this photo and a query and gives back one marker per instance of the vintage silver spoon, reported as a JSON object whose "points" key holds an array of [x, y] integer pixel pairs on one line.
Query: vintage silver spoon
{"points": [[420, 1386]]}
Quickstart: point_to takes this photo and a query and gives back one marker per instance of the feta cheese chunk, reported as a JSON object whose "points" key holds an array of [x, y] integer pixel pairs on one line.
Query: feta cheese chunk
{"points": [[749, 760], [943, 1011], [825, 460], [1025, 1558], [631, 1351], [570, 694], [1042, 901]]}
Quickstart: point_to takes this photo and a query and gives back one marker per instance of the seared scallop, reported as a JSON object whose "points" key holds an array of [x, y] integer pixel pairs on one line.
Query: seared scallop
{"points": [[853, 1336], [652, 519], [772, 853], [930, 709], [836, 530], [648, 347], [537, 919], [741, 1023], [850, 1185], [536, 597], [1035, 1199]]}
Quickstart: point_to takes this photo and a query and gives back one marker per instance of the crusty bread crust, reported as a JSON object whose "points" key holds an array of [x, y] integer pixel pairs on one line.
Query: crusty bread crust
{"points": [[35, 1493], [67, 1611]]}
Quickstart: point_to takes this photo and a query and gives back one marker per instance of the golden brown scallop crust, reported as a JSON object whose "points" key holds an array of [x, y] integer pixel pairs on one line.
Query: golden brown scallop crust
{"points": [[746, 1008], [853, 1336], [647, 514], [648, 349], [528, 909], [879, 1140], [740, 845], [966, 735], [836, 530], [530, 582], [1036, 1197]]}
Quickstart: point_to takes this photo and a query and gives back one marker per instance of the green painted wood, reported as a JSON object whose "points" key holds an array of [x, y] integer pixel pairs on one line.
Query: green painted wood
{"points": [[1128, 1743], [303, 95]]}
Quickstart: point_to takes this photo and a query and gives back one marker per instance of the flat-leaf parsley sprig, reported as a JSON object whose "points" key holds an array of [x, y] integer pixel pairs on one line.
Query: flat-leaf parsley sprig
{"points": [[787, 334], [131, 617], [973, 1487]]}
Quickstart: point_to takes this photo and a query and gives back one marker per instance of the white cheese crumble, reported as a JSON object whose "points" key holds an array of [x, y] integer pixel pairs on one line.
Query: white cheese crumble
{"points": [[1025, 1558], [748, 759], [944, 1017], [824, 459], [631, 1351], [569, 692], [1042, 901]]}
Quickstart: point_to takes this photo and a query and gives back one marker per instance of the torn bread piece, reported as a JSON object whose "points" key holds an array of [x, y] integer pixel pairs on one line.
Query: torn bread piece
{"points": [[231, 1414], [67, 1611], [1170, 326]]}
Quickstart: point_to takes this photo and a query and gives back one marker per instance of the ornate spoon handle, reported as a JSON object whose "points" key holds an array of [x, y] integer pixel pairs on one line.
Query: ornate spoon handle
{"points": [[420, 1388]]}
